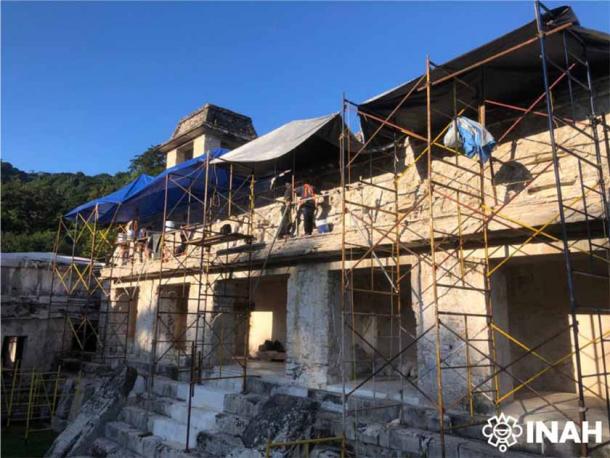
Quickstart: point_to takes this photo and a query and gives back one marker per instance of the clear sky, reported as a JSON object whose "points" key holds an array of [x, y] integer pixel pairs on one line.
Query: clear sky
{"points": [[86, 86]]}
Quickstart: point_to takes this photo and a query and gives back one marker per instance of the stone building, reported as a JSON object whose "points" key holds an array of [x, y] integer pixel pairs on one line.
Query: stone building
{"points": [[433, 292], [35, 309], [207, 128]]}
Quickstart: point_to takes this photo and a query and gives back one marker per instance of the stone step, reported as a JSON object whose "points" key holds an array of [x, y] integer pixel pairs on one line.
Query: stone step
{"points": [[170, 430], [233, 385], [105, 448], [132, 438], [136, 417], [202, 418], [205, 396], [244, 405], [471, 427], [144, 444], [374, 439], [161, 426]]}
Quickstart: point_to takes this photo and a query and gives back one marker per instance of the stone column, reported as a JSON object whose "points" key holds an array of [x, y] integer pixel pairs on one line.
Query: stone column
{"points": [[145, 320], [204, 144], [454, 351], [312, 313], [171, 158]]}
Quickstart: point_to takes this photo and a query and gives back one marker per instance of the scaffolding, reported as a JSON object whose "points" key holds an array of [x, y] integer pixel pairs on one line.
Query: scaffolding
{"points": [[454, 246], [92, 329], [207, 255], [444, 232], [30, 397]]}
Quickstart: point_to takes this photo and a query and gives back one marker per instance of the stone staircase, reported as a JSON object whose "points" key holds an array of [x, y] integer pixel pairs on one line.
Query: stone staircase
{"points": [[156, 427], [228, 423]]}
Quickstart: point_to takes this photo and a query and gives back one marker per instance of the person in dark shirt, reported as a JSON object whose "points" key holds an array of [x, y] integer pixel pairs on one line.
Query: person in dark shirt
{"points": [[286, 228], [307, 206]]}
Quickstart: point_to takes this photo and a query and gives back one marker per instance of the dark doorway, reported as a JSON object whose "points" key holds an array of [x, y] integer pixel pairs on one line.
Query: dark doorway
{"points": [[12, 351]]}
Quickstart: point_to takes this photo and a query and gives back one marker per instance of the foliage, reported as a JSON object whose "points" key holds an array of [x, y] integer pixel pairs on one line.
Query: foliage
{"points": [[33, 202], [150, 162]]}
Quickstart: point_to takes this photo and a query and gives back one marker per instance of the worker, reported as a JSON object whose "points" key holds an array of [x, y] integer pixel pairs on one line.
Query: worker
{"points": [[144, 243], [307, 206], [286, 228]]}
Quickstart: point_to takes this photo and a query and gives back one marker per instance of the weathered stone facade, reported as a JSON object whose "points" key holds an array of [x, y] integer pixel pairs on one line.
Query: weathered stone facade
{"points": [[313, 288], [206, 129], [34, 304]]}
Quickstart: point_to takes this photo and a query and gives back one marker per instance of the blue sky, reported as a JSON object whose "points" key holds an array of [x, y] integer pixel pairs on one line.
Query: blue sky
{"points": [[86, 86]]}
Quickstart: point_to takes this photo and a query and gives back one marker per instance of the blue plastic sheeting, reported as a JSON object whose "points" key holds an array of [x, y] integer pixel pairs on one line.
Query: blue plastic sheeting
{"points": [[181, 180], [108, 204], [148, 201], [477, 141], [470, 137]]}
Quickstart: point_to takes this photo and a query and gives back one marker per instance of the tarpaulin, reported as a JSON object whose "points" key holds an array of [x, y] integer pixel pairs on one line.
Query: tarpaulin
{"points": [[300, 143], [470, 137], [500, 70], [107, 205], [148, 200], [181, 180]]}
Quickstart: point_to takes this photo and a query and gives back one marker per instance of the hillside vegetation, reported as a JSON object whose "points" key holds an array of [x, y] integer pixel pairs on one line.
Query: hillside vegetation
{"points": [[33, 202]]}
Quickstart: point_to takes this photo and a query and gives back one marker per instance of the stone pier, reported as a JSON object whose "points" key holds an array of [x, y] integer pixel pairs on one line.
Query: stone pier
{"points": [[464, 320], [313, 317]]}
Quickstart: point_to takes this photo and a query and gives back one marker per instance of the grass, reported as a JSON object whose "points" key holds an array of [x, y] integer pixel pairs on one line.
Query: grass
{"points": [[14, 444]]}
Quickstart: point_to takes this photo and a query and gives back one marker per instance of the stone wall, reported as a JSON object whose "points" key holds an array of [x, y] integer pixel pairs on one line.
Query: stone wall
{"points": [[455, 331], [313, 311], [313, 318], [518, 161], [33, 303]]}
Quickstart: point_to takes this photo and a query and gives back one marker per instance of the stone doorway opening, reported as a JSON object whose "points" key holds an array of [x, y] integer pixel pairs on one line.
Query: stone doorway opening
{"points": [[382, 328], [530, 301], [260, 338]]}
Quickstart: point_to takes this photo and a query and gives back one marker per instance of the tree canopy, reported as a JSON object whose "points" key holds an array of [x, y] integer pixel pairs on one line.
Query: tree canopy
{"points": [[33, 202]]}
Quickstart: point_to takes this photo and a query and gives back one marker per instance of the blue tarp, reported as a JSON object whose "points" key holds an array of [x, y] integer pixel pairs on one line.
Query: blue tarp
{"points": [[147, 201], [471, 138], [108, 204], [183, 179]]}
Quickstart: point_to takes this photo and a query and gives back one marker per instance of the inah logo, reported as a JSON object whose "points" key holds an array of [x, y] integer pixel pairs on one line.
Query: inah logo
{"points": [[502, 431]]}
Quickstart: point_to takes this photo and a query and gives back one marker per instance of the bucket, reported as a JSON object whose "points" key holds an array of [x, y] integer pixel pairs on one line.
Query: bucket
{"points": [[322, 226]]}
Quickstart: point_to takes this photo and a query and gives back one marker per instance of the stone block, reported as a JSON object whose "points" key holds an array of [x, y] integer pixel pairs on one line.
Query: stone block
{"points": [[231, 424], [103, 447], [407, 441], [281, 418], [218, 444], [414, 417], [94, 413], [328, 424], [369, 433], [244, 405], [290, 390]]}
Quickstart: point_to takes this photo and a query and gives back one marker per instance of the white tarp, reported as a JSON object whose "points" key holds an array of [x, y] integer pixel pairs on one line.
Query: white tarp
{"points": [[280, 141]]}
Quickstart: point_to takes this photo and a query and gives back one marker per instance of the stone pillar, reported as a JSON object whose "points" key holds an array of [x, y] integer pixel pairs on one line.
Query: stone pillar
{"points": [[453, 348], [171, 158], [145, 320], [313, 305], [204, 144]]}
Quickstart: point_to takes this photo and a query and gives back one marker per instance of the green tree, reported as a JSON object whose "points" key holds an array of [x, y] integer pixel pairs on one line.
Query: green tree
{"points": [[31, 203], [150, 162]]}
